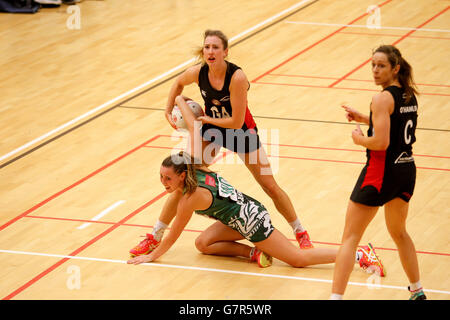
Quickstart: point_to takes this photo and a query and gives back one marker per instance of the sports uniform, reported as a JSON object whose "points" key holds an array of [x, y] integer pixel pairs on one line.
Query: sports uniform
{"points": [[235, 209], [217, 105], [390, 173]]}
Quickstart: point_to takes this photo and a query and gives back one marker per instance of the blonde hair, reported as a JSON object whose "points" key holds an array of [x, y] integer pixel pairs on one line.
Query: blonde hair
{"points": [[183, 162], [209, 33]]}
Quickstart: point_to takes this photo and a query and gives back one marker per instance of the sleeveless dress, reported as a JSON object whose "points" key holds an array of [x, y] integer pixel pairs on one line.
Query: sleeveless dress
{"points": [[391, 173]]}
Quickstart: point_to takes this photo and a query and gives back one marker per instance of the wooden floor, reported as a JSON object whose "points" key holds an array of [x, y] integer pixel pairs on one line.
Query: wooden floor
{"points": [[83, 135]]}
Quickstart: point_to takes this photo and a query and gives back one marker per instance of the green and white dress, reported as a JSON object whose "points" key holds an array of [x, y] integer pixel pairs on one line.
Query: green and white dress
{"points": [[235, 209]]}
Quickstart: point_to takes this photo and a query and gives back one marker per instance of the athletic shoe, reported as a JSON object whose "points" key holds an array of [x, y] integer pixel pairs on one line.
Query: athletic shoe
{"points": [[303, 240], [263, 259], [145, 246], [370, 261], [417, 295]]}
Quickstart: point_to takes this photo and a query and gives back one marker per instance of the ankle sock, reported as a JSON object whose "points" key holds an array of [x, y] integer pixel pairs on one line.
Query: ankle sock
{"points": [[417, 286], [296, 226], [158, 230], [335, 296]]}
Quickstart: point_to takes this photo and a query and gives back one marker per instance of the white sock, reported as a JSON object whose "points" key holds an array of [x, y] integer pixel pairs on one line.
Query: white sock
{"points": [[415, 286], [158, 230], [335, 296], [296, 226]]}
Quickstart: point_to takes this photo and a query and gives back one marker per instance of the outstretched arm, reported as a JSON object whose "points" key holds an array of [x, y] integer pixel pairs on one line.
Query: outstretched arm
{"points": [[200, 199], [354, 115], [184, 214]]}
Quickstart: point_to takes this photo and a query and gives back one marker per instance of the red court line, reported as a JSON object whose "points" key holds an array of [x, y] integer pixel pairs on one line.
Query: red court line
{"points": [[344, 161], [341, 149], [391, 35], [396, 42], [40, 204], [77, 251], [299, 146], [348, 79], [302, 158], [87, 244], [315, 44], [198, 231], [104, 233], [342, 88]]}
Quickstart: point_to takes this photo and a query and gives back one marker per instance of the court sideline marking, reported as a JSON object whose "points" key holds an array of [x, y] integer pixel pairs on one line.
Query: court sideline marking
{"points": [[102, 214], [149, 82], [277, 276]]}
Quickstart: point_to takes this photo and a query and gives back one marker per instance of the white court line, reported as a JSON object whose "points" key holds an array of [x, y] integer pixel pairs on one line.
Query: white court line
{"points": [[101, 214], [365, 26], [145, 84], [161, 265]]}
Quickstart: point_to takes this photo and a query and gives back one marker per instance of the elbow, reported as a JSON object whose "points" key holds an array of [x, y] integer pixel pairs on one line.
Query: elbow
{"points": [[237, 124], [382, 146]]}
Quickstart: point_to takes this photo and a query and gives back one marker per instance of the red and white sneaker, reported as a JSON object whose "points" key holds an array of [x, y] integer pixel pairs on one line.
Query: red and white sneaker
{"points": [[263, 259], [370, 262], [145, 246], [303, 240]]}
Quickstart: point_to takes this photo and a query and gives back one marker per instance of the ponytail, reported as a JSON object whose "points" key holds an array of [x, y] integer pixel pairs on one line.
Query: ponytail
{"points": [[405, 74], [183, 162]]}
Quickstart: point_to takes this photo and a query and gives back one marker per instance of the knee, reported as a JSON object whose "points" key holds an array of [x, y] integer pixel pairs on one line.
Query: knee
{"points": [[398, 235], [297, 260], [300, 264], [272, 189], [201, 244]]}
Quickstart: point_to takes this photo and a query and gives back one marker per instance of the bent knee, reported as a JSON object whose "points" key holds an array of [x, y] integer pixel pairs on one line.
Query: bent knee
{"points": [[202, 244], [298, 262]]}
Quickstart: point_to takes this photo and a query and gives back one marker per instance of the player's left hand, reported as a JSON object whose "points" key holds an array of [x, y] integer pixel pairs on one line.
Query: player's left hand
{"points": [[203, 119], [140, 259], [357, 134]]}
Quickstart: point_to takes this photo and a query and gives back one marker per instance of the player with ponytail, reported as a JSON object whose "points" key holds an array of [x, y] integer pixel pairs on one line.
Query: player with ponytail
{"points": [[389, 176]]}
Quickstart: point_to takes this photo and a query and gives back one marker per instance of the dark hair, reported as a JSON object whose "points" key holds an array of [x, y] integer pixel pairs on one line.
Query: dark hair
{"points": [[183, 162], [405, 74], [208, 33]]}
